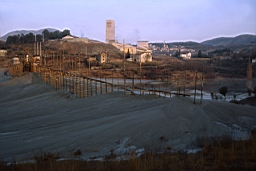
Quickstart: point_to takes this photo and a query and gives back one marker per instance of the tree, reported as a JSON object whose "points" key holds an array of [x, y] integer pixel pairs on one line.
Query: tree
{"points": [[46, 34], [223, 90], [65, 33], [128, 55], [199, 55], [176, 54], [12, 39], [31, 37], [56, 34], [39, 37], [9, 40], [22, 38], [254, 91]]}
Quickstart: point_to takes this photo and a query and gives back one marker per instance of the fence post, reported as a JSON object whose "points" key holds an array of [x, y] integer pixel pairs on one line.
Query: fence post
{"points": [[195, 88]]}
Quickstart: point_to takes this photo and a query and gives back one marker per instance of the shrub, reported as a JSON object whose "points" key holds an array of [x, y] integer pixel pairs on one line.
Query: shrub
{"points": [[223, 90], [249, 91], [254, 91]]}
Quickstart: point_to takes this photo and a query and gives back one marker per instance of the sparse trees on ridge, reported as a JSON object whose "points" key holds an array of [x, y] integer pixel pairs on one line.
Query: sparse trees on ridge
{"points": [[30, 38]]}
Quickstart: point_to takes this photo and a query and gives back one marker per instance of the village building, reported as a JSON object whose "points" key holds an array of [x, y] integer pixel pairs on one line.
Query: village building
{"points": [[102, 57], [185, 55], [15, 61], [125, 48], [3, 53], [143, 55]]}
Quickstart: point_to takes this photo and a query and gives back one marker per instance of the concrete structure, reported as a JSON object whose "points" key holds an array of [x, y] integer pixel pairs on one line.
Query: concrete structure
{"points": [[70, 38], [110, 31], [142, 44], [125, 48]]}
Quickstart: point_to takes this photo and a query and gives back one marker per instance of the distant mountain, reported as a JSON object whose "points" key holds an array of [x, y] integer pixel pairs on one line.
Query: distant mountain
{"points": [[26, 32], [241, 39]]}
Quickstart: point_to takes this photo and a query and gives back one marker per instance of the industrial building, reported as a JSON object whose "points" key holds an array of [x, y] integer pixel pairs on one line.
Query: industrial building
{"points": [[110, 31]]}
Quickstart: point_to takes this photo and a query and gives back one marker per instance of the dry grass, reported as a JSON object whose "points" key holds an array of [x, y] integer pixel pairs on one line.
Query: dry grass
{"points": [[223, 154]]}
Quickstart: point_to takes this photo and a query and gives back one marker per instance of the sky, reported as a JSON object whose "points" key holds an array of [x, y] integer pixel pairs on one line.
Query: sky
{"points": [[135, 20]]}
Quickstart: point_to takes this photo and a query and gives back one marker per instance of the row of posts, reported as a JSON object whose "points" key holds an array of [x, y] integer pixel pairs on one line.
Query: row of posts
{"points": [[83, 86], [75, 83]]}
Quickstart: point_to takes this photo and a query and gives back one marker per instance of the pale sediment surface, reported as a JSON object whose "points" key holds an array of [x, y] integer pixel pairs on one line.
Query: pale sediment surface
{"points": [[34, 117]]}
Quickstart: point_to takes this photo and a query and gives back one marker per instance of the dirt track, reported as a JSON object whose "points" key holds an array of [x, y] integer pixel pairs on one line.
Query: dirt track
{"points": [[35, 117]]}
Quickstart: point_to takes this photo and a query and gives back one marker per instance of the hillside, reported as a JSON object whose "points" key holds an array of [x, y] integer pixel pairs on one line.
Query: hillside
{"points": [[35, 118], [241, 39], [16, 32], [83, 48]]}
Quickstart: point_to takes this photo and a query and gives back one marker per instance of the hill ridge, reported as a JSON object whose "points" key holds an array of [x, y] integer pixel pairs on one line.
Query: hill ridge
{"points": [[24, 31], [240, 39]]}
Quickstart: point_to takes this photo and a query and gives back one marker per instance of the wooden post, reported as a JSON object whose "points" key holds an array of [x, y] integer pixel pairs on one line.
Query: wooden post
{"points": [[140, 77], [80, 87], [159, 89], [56, 81], [195, 88], [118, 84], [83, 86], [100, 82], [124, 71], [185, 82], [96, 88], [112, 82], [202, 84], [106, 85], [87, 88], [133, 82], [71, 82], [75, 84], [91, 86], [66, 80]]}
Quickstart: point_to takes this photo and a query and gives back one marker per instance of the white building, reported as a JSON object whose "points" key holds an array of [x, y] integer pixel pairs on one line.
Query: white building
{"points": [[143, 55], [186, 55], [139, 54]]}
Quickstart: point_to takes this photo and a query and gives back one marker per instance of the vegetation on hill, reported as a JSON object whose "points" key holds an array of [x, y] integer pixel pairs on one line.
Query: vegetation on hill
{"points": [[30, 37], [241, 39], [20, 32]]}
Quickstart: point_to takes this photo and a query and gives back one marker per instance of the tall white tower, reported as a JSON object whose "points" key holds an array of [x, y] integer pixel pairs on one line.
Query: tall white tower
{"points": [[110, 31]]}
